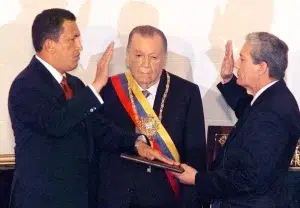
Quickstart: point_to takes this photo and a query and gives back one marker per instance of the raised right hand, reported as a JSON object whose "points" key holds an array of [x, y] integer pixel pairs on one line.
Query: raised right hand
{"points": [[102, 68], [228, 63]]}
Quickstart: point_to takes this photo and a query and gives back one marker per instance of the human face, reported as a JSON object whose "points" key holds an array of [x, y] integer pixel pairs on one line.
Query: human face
{"points": [[67, 48], [248, 72], [146, 59]]}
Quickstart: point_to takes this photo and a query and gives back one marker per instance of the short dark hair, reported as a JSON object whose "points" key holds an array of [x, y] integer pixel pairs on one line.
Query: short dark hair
{"points": [[270, 49], [150, 31], [48, 25]]}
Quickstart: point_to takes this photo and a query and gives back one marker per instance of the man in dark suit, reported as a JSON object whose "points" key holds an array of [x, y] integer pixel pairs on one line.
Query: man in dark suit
{"points": [[176, 103], [238, 99], [251, 168], [56, 121]]}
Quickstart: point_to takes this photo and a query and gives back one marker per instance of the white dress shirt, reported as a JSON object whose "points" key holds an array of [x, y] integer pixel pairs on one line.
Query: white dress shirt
{"points": [[152, 90], [59, 77], [259, 92]]}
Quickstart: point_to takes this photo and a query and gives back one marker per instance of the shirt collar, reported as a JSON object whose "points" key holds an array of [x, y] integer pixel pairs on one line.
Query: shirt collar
{"points": [[152, 90], [57, 76], [262, 90]]}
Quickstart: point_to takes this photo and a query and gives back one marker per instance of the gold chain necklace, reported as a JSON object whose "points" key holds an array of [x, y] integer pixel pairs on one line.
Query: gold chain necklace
{"points": [[148, 125]]}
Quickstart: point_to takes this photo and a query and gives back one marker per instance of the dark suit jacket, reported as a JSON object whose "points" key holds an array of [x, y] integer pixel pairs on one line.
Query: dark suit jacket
{"points": [[55, 159], [251, 169], [124, 182]]}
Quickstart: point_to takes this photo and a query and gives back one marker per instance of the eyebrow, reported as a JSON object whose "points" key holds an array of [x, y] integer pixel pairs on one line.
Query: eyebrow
{"points": [[138, 51]]}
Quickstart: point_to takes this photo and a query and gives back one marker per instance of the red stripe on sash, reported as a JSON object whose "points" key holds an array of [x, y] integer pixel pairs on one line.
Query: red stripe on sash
{"points": [[171, 178], [122, 96]]}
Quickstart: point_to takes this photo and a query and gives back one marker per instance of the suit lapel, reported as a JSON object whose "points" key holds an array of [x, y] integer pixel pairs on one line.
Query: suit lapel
{"points": [[270, 92], [48, 82], [238, 125], [160, 92], [232, 134], [72, 83]]}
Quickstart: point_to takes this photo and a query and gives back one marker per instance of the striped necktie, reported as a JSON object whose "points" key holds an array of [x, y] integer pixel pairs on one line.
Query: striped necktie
{"points": [[146, 93]]}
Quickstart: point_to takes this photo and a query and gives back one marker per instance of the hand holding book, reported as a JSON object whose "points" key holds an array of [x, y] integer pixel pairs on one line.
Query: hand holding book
{"points": [[155, 163]]}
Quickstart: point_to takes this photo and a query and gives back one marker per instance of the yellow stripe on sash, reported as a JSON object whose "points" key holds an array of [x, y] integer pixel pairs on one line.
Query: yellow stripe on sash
{"points": [[149, 110]]}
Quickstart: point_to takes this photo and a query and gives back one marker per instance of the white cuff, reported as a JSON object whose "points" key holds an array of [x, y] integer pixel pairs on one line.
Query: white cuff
{"points": [[96, 94], [142, 138], [225, 81]]}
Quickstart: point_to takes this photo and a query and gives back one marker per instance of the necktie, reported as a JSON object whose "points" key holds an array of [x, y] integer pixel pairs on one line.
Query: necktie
{"points": [[67, 89], [146, 93]]}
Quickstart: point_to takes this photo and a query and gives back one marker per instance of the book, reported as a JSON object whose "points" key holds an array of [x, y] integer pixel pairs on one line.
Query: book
{"points": [[154, 163]]}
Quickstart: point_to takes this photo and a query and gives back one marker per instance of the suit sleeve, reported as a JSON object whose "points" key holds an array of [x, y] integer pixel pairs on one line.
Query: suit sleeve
{"points": [[110, 137], [235, 96], [250, 167], [194, 144], [38, 111]]}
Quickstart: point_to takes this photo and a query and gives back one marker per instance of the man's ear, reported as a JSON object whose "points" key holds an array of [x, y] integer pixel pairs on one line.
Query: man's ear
{"points": [[49, 46], [263, 68]]}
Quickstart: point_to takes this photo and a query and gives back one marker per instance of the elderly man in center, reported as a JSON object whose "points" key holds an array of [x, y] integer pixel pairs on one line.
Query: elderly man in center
{"points": [[166, 108]]}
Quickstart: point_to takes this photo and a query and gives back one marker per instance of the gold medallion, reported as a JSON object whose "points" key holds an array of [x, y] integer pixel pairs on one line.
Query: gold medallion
{"points": [[148, 125]]}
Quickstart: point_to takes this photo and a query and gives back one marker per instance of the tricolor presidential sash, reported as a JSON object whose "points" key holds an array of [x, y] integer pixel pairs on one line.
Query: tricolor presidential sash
{"points": [[160, 139]]}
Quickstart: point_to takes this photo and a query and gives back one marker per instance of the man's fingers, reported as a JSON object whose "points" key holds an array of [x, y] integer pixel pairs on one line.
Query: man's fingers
{"points": [[229, 56], [177, 163], [108, 51], [153, 154], [184, 166], [163, 158], [228, 47], [106, 58], [176, 174], [229, 44], [109, 47], [109, 56]]}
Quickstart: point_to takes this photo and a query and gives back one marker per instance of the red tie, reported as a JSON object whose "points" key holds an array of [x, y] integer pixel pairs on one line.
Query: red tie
{"points": [[67, 89]]}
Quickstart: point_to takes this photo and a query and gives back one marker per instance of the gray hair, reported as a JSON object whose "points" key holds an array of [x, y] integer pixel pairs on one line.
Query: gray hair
{"points": [[270, 49], [148, 31]]}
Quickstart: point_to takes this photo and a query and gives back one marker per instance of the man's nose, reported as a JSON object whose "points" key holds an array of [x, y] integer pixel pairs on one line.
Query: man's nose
{"points": [[79, 44], [146, 61]]}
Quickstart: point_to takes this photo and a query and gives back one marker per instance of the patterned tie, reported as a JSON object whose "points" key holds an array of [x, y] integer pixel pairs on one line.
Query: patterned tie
{"points": [[67, 89], [146, 93]]}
